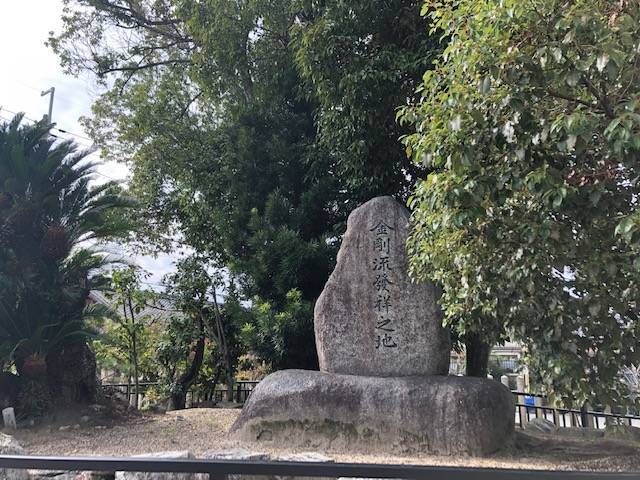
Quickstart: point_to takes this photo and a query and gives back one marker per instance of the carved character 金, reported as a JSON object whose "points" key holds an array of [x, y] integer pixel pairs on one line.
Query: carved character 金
{"points": [[381, 228]]}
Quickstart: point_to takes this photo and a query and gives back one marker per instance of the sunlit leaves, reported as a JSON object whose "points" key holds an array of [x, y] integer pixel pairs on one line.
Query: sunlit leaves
{"points": [[529, 221]]}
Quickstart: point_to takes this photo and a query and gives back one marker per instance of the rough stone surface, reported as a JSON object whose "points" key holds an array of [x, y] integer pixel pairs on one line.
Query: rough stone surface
{"points": [[541, 425], [438, 415], [236, 454], [240, 454], [371, 319], [622, 432], [9, 446], [162, 476], [304, 457], [63, 475]]}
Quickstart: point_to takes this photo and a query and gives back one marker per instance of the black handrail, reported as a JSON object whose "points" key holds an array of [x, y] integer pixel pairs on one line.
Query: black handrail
{"points": [[524, 409], [221, 468]]}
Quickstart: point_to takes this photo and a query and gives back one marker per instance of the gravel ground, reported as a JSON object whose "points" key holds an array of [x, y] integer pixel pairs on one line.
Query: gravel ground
{"points": [[202, 430]]}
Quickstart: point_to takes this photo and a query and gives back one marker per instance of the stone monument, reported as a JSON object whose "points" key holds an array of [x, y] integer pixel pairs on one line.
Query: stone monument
{"points": [[384, 357], [371, 319]]}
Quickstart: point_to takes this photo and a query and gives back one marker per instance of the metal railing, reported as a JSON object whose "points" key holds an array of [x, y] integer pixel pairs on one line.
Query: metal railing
{"points": [[196, 396], [568, 417], [241, 391], [220, 469], [561, 417]]}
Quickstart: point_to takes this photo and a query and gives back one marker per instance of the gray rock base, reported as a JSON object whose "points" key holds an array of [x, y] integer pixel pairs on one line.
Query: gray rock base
{"points": [[9, 446], [434, 414]]}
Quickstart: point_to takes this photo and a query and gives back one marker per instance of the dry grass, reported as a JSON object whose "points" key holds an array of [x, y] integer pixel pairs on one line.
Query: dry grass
{"points": [[202, 430]]}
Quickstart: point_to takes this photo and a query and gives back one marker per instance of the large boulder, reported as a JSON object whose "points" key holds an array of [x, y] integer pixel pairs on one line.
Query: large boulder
{"points": [[9, 446], [371, 318], [436, 414]]}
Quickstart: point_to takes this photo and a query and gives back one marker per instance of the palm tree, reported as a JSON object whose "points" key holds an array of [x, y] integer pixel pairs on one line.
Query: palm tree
{"points": [[51, 221]]}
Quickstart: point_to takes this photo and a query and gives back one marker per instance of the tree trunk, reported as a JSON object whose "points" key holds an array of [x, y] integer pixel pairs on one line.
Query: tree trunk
{"points": [[136, 379], [222, 342], [134, 351], [178, 399], [34, 395], [72, 374], [9, 385], [477, 355], [216, 379], [229, 385]]}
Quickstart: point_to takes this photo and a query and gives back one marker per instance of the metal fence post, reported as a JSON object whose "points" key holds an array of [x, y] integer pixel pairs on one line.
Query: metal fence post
{"points": [[585, 418]]}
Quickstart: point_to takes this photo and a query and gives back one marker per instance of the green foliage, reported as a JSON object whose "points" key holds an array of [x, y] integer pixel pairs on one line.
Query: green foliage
{"points": [[126, 340], [48, 214], [359, 61], [282, 336], [206, 333], [216, 105], [174, 350], [529, 219], [252, 368]]}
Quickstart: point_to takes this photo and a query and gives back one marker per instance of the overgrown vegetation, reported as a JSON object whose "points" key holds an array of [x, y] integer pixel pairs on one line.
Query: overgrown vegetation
{"points": [[529, 219], [253, 128], [48, 214]]}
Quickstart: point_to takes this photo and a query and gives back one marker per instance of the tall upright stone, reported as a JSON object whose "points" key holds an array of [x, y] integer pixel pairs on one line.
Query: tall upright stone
{"points": [[384, 357], [371, 318]]}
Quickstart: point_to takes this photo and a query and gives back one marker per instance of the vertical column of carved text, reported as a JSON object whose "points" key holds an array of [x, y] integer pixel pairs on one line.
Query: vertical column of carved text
{"points": [[383, 302]]}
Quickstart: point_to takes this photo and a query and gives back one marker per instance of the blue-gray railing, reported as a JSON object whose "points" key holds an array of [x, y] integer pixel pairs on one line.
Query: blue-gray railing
{"points": [[220, 469]]}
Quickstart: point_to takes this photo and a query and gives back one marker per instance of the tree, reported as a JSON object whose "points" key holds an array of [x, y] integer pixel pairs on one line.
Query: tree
{"points": [[270, 334], [235, 170], [360, 61], [131, 301], [48, 216], [194, 292], [529, 219], [217, 106]]}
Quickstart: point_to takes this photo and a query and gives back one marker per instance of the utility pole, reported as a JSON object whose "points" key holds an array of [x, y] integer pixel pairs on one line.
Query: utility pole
{"points": [[51, 91]]}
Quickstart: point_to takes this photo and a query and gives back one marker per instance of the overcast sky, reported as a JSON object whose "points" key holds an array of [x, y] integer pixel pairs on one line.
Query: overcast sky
{"points": [[28, 67]]}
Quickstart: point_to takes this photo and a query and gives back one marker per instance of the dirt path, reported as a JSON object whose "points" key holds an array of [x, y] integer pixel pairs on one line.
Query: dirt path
{"points": [[202, 430]]}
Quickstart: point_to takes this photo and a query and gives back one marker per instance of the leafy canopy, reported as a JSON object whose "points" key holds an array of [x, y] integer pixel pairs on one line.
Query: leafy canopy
{"points": [[531, 123], [359, 61], [216, 105]]}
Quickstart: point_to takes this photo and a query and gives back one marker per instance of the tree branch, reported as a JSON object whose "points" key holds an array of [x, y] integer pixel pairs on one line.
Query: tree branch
{"points": [[569, 98], [102, 73]]}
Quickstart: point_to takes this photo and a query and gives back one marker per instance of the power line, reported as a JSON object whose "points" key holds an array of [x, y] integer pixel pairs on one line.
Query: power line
{"points": [[55, 128], [15, 113], [74, 134], [59, 138]]}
